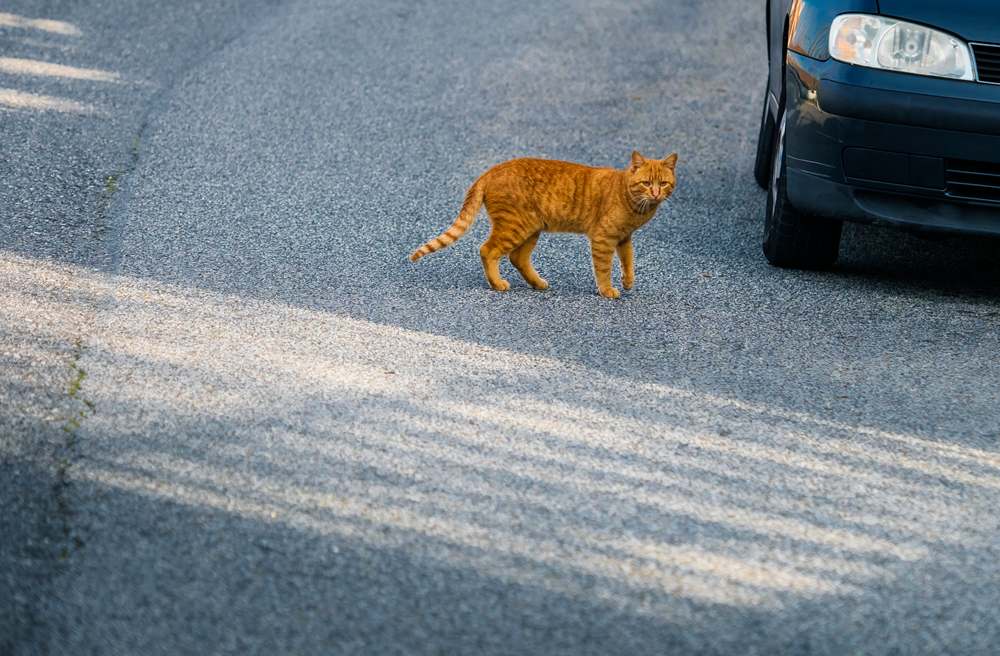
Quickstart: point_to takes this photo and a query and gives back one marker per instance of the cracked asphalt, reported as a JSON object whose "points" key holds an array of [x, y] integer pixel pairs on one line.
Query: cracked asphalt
{"points": [[236, 420]]}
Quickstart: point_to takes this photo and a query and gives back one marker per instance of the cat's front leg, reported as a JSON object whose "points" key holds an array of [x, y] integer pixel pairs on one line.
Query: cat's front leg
{"points": [[602, 251], [627, 257]]}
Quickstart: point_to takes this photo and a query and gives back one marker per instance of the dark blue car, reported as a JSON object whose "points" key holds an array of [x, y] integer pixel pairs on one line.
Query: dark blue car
{"points": [[878, 111]]}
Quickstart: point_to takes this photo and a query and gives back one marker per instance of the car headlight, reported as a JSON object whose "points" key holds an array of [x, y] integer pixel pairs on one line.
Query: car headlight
{"points": [[896, 45]]}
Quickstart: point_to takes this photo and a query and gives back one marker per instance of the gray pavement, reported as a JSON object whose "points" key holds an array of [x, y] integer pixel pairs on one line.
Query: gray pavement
{"points": [[241, 422]]}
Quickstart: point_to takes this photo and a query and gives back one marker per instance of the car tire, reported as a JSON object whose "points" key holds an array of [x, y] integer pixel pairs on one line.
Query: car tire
{"points": [[765, 140], [793, 239]]}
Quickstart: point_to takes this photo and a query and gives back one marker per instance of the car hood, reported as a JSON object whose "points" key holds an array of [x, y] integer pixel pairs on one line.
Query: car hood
{"points": [[973, 20]]}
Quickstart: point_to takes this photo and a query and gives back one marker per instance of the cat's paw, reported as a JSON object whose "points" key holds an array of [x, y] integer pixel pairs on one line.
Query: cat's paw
{"points": [[500, 285], [628, 282], [609, 292], [541, 283]]}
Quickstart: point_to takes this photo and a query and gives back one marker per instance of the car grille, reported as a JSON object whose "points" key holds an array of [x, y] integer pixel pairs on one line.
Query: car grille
{"points": [[970, 180], [987, 62]]}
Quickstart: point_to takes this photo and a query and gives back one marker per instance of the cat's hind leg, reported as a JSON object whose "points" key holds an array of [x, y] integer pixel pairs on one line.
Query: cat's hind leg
{"points": [[491, 252], [509, 231], [520, 257]]}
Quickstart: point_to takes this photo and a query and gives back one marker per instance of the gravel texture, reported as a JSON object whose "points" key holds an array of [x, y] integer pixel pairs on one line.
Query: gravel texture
{"points": [[291, 440]]}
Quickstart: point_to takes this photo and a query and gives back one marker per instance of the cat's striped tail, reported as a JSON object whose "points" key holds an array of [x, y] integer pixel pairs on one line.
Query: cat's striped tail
{"points": [[473, 201]]}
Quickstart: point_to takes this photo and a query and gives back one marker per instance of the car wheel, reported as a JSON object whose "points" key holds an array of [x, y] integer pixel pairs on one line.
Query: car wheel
{"points": [[765, 139], [793, 239]]}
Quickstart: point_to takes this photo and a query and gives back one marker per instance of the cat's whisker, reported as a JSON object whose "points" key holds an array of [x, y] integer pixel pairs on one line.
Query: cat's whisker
{"points": [[640, 202]]}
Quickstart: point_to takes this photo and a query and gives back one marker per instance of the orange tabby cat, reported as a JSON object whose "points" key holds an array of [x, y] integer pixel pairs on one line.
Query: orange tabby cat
{"points": [[523, 197]]}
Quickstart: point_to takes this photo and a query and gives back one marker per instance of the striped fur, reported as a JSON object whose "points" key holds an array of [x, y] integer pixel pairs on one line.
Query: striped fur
{"points": [[525, 197], [473, 201]]}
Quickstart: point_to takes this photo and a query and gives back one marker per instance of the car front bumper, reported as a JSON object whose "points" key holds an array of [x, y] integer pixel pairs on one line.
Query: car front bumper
{"points": [[881, 147]]}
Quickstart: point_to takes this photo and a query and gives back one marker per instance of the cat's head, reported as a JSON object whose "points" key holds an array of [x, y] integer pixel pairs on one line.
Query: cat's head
{"points": [[652, 180]]}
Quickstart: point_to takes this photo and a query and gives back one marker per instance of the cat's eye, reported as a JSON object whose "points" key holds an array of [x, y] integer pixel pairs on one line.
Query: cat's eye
{"points": [[646, 182]]}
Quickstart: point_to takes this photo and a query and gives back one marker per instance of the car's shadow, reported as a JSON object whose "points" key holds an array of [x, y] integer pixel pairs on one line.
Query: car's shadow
{"points": [[923, 264]]}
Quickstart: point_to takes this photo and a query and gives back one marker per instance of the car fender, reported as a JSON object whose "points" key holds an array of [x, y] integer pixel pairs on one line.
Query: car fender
{"points": [[801, 26], [809, 23]]}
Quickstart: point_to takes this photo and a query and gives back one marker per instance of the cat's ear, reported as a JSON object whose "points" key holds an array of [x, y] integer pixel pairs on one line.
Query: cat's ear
{"points": [[671, 161], [637, 161]]}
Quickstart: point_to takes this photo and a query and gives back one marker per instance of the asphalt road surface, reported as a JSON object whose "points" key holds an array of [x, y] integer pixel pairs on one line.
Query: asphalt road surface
{"points": [[236, 420]]}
